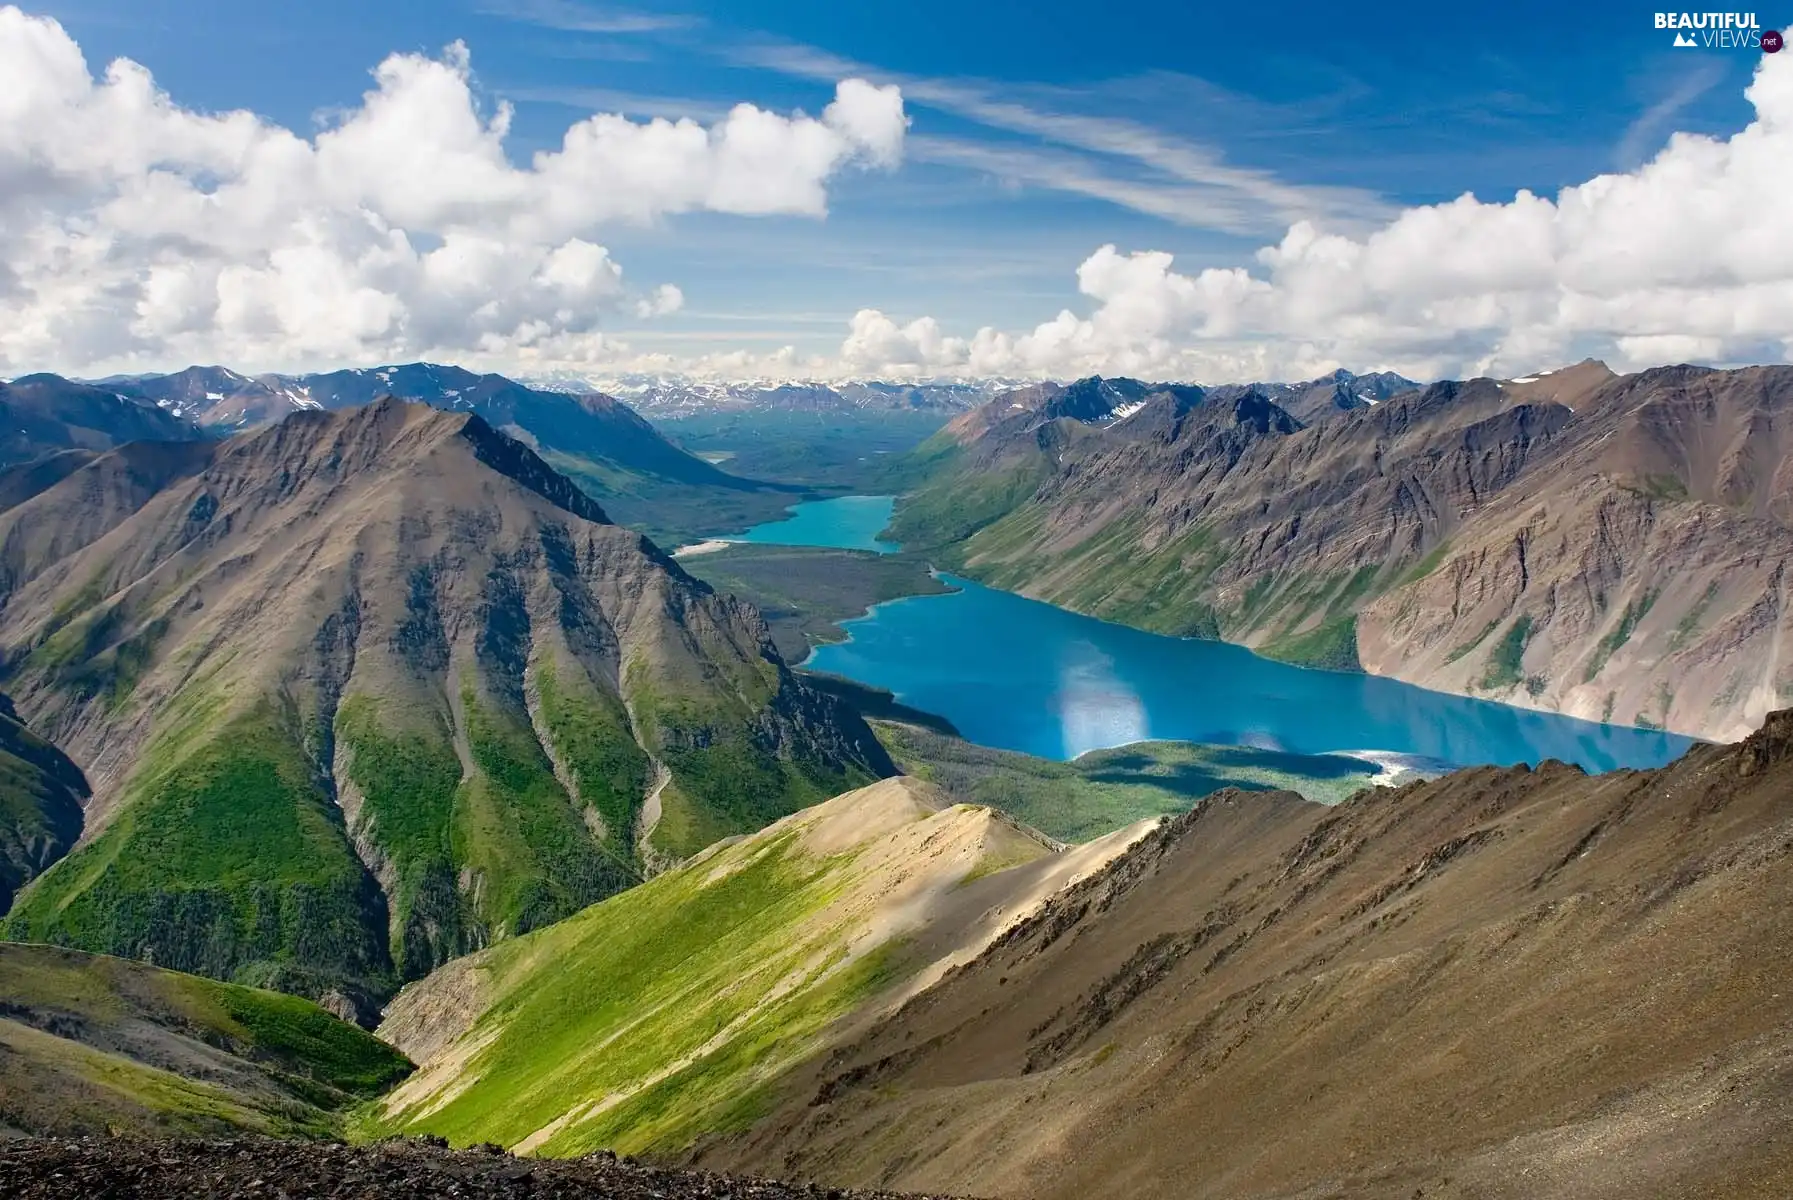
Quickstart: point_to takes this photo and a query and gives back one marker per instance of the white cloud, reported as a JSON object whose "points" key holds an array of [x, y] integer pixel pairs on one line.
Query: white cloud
{"points": [[1689, 257], [662, 301], [134, 231]]}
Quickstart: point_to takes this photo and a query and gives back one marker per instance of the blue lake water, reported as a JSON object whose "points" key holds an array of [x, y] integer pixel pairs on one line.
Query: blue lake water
{"points": [[845, 523], [1021, 675]]}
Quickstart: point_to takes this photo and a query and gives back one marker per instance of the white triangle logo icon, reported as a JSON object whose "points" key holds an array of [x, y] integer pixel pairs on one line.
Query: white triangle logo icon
{"points": [[1681, 39]]}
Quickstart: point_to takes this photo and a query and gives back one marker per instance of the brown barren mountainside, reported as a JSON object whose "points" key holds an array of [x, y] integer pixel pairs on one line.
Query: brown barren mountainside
{"points": [[364, 690], [1502, 983], [1610, 548]]}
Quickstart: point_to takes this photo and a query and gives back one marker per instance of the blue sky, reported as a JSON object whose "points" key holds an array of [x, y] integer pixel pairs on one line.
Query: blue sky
{"points": [[1038, 132]]}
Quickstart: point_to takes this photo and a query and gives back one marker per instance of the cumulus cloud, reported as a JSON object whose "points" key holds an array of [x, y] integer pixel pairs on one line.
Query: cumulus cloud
{"points": [[134, 231], [1688, 257]]}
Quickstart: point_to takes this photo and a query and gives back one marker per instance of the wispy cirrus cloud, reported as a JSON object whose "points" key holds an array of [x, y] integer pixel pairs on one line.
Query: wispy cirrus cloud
{"points": [[1177, 178], [569, 16], [1048, 167], [1643, 135]]}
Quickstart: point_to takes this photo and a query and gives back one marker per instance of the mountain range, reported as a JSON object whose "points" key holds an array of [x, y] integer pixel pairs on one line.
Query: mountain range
{"points": [[364, 690], [1608, 547], [665, 399], [647, 481]]}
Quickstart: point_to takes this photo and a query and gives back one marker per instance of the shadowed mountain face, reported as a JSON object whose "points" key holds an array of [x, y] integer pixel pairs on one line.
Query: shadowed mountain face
{"points": [[1501, 983], [362, 691], [1611, 548], [44, 414], [41, 793]]}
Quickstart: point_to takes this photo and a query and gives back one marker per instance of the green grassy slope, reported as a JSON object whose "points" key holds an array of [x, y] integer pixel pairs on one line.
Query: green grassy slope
{"points": [[227, 859], [670, 1011], [1106, 790], [229, 855], [91, 1044], [950, 498]]}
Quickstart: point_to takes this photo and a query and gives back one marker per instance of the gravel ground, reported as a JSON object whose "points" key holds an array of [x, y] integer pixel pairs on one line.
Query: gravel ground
{"points": [[95, 1168]]}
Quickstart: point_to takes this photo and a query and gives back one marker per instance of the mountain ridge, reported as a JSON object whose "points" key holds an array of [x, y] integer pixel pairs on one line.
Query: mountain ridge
{"points": [[1502, 982], [1516, 540], [462, 701]]}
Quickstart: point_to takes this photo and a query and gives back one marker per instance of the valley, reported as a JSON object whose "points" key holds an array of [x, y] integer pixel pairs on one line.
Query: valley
{"points": [[805, 592], [611, 601], [1606, 547]]}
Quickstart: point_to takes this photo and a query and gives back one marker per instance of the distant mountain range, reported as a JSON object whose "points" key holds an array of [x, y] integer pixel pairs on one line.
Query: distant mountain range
{"points": [[1613, 548], [664, 399], [363, 690]]}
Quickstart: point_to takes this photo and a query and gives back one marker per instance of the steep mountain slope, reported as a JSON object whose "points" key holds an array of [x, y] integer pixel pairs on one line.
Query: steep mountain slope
{"points": [[55, 506], [672, 1009], [1502, 983], [96, 1045], [375, 688], [41, 793], [1610, 548], [43, 414]]}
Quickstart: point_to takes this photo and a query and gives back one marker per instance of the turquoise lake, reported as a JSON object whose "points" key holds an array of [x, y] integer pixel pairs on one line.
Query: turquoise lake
{"points": [[1021, 675], [844, 523]]}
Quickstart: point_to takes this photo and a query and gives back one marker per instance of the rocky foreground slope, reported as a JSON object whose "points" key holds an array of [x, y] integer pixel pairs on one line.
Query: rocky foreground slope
{"points": [[366, 690], [1611, 548], [79, 1170], [1501, 983]]}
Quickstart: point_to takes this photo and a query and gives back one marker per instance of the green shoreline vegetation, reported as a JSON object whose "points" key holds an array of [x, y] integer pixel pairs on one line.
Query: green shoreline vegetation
{"points": [[1104, 790]]}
